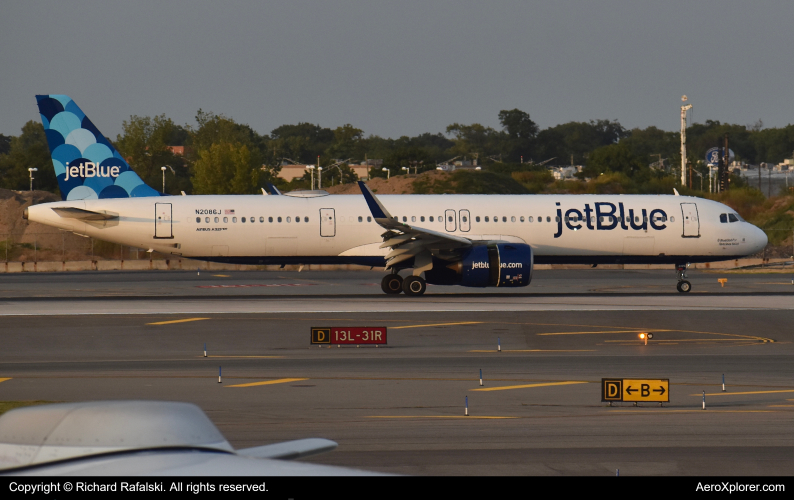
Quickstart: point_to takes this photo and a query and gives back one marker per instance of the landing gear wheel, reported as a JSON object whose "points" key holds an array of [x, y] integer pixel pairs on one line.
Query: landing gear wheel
{"points": [[684, 286], [414, 285], [392, 284]]}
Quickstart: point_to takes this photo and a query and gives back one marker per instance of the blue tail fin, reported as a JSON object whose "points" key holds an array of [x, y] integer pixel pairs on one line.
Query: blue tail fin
{"points": [[86, 163]]}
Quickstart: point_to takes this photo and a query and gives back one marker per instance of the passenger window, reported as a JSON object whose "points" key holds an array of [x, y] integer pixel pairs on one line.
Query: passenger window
{"points": [[198, 219], [369, 219], [477, 219], [297, 219], [732, 218], [305, 219], [431, 218], [451, 219], [540, 219], [270, 219], [522, 218], [496, 219], [225, 220], [243, 219], [360, 218], [465, 219], [217, 220], [504, 219], [413, 218], [672, 219], [422, 218], [405, 219], [279, 220], [530, 219], [289, 219], [556, 219], [486, 219], [724, 218], [261, 219], [548, 219], [234, 219], [207, 220]]}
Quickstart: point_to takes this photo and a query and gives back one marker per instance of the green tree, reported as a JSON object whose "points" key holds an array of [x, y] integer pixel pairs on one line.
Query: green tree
{"points": [[226, 168], [145, 143], [28, 150], [615, 158], [521, 132]]}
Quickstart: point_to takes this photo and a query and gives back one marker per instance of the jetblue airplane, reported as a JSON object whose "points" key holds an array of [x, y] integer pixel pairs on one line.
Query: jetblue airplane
{"points": [[468, 240]]}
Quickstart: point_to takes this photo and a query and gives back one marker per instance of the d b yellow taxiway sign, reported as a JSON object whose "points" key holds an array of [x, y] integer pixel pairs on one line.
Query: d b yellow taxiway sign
{"points": [[635, 390]]}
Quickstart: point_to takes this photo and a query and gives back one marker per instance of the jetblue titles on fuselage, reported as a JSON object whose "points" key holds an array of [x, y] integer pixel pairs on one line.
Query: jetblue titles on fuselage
{"points": [[606, 217]]}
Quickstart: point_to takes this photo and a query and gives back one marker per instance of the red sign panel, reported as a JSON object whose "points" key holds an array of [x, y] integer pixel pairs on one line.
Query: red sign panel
{"points": [[349, 335]]}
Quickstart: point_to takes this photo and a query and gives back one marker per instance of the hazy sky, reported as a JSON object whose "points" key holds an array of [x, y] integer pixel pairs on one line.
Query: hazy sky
{"points": [[400, 68]]}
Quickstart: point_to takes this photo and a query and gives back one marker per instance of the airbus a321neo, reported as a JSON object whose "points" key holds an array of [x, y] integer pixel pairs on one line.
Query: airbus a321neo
{"points": [[468, 240]]}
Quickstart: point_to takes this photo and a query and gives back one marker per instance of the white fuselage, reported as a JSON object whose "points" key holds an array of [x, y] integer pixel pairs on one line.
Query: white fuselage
{"points": [[339, 228]]}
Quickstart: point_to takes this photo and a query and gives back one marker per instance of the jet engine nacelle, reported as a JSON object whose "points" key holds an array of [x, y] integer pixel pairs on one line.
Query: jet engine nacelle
{"points": [[502, 264]]}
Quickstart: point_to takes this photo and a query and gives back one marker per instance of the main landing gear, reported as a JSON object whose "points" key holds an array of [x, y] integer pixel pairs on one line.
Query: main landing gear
{"points": [[683, 285], [393, 284]]}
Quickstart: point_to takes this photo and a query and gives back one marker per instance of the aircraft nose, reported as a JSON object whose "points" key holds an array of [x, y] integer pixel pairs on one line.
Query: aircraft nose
{"points": [[759, 239]]}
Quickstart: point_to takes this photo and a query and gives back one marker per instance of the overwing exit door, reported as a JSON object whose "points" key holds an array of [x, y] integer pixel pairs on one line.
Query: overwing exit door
{"points": [[689, 214], [449, 220], [162, 220], [465, 220]]}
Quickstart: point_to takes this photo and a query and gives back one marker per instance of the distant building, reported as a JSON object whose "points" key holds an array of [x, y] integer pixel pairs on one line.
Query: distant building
{"points": [[177, 150], [290, 172]]}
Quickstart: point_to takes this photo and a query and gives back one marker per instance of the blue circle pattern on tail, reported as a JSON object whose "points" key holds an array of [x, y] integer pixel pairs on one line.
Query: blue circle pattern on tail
{"points": [[75, 141]]}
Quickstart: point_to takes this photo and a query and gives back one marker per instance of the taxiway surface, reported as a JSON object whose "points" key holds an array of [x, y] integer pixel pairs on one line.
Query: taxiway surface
{"points": [[400, 408]]}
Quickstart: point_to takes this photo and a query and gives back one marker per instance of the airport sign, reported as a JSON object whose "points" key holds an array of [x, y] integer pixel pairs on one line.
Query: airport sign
{"points": [[635, 390], [349, 335]]}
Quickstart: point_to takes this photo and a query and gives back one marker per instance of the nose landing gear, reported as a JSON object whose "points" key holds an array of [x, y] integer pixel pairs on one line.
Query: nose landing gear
{"points": [[683, 285]]}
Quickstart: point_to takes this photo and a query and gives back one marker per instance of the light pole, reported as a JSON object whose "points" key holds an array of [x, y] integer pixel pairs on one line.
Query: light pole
{"points": [[311, 167], [319, 177], [701, 179], [388, 172], [163, 169], [684, 109], [407, 170], [31, 170]]}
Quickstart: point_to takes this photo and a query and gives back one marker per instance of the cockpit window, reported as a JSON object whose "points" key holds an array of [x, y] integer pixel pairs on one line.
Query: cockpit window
{"points": [[733, 218], [724, 218]]}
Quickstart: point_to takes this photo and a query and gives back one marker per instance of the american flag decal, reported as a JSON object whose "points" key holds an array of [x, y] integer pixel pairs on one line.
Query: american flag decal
{"points": [[228, 212]]}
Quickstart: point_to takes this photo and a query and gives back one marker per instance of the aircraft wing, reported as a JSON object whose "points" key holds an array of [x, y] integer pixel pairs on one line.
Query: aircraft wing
{"points": [[81, 214], [146, 438], [405, 240]]}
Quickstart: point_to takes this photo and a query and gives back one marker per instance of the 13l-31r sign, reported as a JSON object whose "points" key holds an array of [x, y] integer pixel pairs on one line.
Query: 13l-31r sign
{"points": [[351, 335]]}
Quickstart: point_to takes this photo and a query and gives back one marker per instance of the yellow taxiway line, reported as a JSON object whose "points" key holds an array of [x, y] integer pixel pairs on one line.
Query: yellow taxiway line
{"points": [[177, 321], [442, 416], [437, 324], [269, 382], [229, 357], [737, 393], [534, 350], [4, 379], [507, 387]]}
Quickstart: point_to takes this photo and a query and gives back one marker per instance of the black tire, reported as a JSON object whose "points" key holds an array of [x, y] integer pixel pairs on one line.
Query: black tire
{"points": [[392, 284], [414, 285], [684, 286]]}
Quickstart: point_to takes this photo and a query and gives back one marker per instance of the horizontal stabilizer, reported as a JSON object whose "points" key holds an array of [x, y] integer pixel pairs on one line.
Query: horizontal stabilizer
{"points": [[79, 213], [289, 450]]}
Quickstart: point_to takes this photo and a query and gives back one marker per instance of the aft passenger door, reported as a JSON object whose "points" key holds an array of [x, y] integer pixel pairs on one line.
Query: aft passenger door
{"points": [[327, 222], [689, 214], [465, 221], [162, 220], [449, 220]]}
